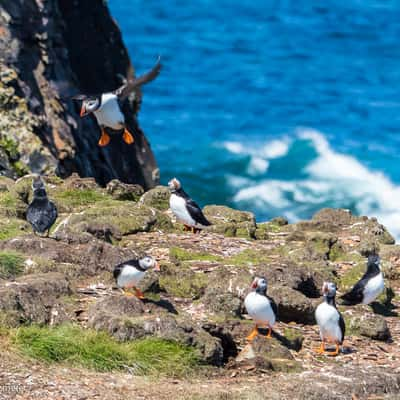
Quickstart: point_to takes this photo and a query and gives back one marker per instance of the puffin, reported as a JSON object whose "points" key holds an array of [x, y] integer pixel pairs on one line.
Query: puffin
{"points": [[330, 321], [41, 212], [106, 107], [261, 308], [129, 273], [185, 209], [369, 287]]}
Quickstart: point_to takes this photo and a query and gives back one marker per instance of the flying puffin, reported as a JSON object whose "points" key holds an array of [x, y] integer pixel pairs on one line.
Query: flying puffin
{"points": [[106, 107], [260, 307], [369, 287], [185, 209], [41, 212], [129, 273], [330, 321]]}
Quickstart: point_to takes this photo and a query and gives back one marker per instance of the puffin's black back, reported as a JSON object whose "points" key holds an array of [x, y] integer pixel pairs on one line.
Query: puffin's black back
{"points": [[41, 212], [193, 208], [118, 268]]}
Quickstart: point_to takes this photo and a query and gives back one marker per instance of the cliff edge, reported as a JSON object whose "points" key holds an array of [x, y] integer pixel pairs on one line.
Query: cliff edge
{"points": [[48, 52]]}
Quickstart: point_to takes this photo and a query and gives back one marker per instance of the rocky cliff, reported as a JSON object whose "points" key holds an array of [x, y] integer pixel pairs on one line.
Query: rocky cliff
{"points": [[61, 290], [50, 50]]}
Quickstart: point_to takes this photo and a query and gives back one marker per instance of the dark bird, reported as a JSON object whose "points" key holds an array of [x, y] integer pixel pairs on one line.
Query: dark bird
{"points": [[41, 212], [369, 287], [106, 107], [330, 321], [129, 273], [261, 308], [185, 209]]}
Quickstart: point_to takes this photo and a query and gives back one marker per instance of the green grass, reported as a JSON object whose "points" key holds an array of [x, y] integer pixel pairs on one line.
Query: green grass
{"points": [[178, 254], [248, 256], [11, 264], [78, 197], [11, 228], [87, 348]]}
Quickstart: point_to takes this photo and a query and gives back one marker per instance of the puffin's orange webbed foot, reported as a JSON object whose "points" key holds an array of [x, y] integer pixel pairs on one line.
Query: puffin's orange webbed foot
{"points": [[252, 334], [104, 139], [321, 349], [269, 334], [333, 353], [126, 293], [127, 136], [139, 294]]}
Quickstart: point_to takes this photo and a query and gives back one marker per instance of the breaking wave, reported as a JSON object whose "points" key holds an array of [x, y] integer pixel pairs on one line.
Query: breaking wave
{"points": [[296, 176]]}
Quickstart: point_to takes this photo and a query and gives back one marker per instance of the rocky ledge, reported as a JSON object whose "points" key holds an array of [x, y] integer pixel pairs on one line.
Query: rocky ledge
{"points": [[197, 298]]}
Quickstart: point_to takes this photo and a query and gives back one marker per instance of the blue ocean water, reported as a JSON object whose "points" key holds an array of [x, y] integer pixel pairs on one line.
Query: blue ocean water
{"points": [[279, 107]]}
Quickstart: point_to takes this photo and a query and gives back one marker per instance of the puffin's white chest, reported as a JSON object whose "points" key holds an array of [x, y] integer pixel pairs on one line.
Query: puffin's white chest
{"points": [[259, 308], [178, 207], [109, 114], [328, 320], [373, 288], [129, 276]]}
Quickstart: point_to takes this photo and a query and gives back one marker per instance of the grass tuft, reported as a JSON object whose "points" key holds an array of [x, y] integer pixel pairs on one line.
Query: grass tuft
{"points": [[11, 264], [97, 350], [78, 197]]}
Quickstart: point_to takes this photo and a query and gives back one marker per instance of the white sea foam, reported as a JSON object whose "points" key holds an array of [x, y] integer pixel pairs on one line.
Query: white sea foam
{"points": [[259, 154], [331, 179]]}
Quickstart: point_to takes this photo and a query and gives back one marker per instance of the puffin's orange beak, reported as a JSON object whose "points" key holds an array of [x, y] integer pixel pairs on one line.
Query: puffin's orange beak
{"points": [[157, 267], [83, 111], [254, 284], [325, 289]]}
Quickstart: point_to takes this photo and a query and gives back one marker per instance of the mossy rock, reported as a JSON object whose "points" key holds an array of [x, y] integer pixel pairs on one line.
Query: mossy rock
{"points": [[182, 282], [178, 255], [157, 197], [13, 227], [124, 191], [23, 188], [267, 354], [230, 222], [370, 325], [11, 205], [118, 217], [74, 200], [222, 302], [11, 264], [6, 183], [319, 244]]}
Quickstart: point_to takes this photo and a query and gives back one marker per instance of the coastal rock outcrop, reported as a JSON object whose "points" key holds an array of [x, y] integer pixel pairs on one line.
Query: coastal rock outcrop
{"points": [[48, 52], [196, 299]]}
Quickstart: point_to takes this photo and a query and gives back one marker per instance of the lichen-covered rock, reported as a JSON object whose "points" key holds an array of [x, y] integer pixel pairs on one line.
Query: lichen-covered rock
{"points": [[34, 298], [157, 197], [231, 222], [115, 218], [222, 303], [41, 67], [293, 305], [129, 318], [75, 259], [267, 354], [124, 191], [370, 325]]}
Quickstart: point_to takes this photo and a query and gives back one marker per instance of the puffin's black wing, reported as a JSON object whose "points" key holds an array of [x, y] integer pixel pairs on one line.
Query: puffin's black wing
{"points": [[41, 216], [124, 91], [273, 306], [342, 326], [195, 212], [356, 294], [119, 267]]}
